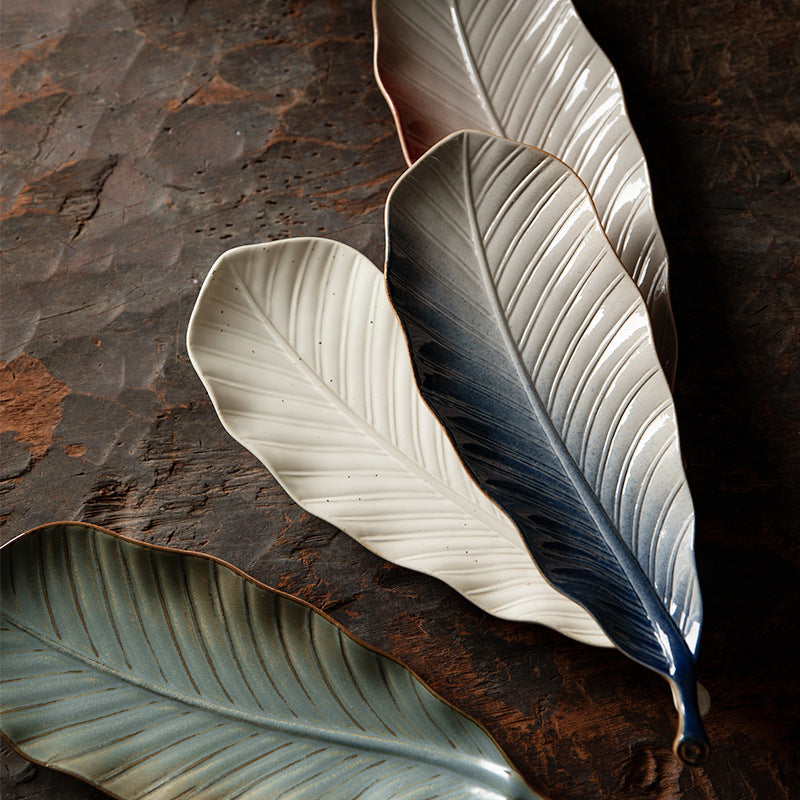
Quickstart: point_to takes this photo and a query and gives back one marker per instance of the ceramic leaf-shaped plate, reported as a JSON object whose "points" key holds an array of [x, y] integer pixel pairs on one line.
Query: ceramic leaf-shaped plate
{"points": [[530, 72], [153, 673], [306, 365], [533, 347]]}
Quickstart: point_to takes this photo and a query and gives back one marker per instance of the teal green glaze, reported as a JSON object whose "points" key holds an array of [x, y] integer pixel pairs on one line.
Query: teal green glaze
{"points": [[153, 673]]}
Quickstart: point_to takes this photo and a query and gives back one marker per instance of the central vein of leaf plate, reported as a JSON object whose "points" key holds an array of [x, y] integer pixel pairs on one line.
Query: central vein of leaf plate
{"points": [[472, 69], [481, 769], [660, 619]]}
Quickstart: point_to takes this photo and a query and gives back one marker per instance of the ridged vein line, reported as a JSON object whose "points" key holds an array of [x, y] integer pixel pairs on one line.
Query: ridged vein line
{"points": [[547, 130], [107, 601], [499, 22], [230, 772], [118, 770], [624, 476], [616, 423], [204, 759], [576, 394], [577, 337], [321, 671], [357, 689], [189, 605], [566, 217], [673, 562], [548, 81], [509, 54], [219, 609]]}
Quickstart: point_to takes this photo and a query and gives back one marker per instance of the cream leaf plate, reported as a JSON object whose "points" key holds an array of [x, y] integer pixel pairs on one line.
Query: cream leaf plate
{"points": [[305, 362], [531, 72]]}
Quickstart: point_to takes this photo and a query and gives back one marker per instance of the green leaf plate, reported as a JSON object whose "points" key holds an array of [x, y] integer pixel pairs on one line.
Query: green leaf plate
{"points": [[156, 674]]}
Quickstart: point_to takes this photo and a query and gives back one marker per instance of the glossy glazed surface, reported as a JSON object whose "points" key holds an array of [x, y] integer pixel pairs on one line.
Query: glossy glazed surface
{"points": [[533, 347], [530, 72], [305, 361], [158, 673]]}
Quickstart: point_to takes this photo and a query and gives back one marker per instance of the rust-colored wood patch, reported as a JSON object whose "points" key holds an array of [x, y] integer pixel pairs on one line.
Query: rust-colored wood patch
{"points": [[31, 401]]}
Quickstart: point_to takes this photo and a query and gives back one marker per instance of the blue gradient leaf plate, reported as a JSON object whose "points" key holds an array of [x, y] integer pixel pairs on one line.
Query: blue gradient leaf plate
{"points": [[533, 347]]}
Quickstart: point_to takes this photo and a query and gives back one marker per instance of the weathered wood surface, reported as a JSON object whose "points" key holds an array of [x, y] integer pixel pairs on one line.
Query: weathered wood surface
{"points": [[141, 139]]}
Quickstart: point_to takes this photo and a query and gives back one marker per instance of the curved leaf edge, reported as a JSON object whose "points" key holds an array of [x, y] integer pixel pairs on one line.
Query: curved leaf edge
{"points": [[219, 265], [670, 331], [691, 744], [384, 91], [40, 530]]}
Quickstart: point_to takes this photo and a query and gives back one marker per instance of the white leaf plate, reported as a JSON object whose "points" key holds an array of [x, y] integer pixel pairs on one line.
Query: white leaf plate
{"points": [[531, 72], [305, 362]]}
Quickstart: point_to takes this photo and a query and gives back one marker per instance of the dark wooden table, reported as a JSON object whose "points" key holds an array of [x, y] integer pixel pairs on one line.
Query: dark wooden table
{"points": [[143, 138]]}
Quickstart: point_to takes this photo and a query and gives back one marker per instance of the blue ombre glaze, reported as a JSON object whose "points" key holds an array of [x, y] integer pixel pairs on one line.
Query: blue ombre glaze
{"points": [[472, 376]]}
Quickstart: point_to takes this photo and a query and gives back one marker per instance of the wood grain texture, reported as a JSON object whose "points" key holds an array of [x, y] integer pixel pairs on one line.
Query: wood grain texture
{"points": [[141, 139]]}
